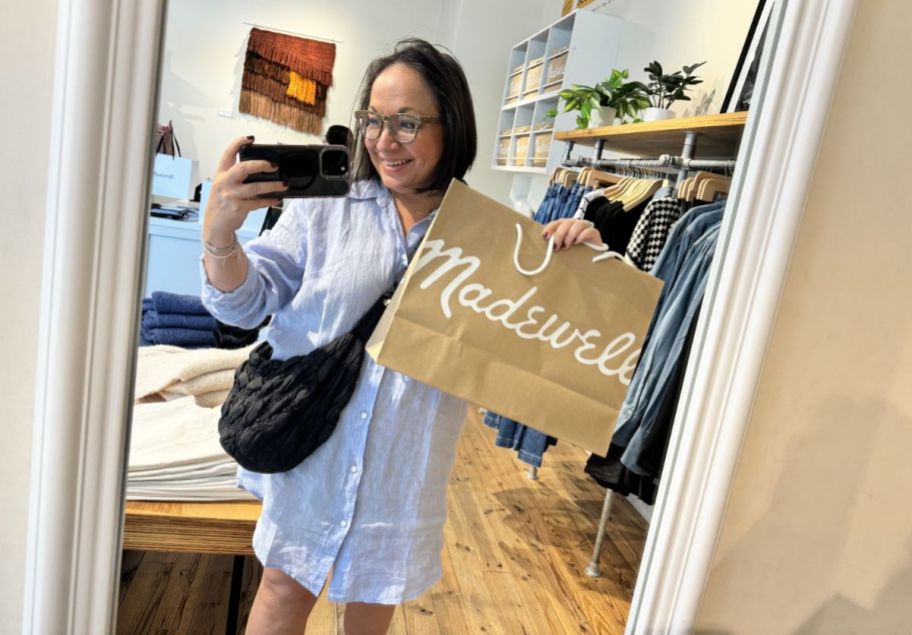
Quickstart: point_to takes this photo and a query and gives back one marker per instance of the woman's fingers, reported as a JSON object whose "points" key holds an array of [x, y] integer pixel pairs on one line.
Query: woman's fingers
{"points": [[590, 235], [570, 231], [558, 229], [229, 155], [253, 190], [242, 169], [257, 203], [232, 181]]}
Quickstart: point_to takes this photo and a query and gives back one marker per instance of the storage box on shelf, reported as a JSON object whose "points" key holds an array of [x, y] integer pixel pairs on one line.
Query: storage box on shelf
{"points": [[580, 48]]}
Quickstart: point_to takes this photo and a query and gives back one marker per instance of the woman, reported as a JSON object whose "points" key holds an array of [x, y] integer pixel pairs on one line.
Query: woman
{"points": [[370, 503]]}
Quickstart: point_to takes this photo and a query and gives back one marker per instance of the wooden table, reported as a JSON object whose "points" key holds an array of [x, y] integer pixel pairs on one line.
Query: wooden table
{"points": [[217, 528]]}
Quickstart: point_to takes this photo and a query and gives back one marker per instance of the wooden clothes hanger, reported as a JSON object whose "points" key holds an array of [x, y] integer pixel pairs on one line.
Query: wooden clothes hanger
{"points": [[640, 192], [688, 190], [709, 188], [617, 190], [597, 178]]}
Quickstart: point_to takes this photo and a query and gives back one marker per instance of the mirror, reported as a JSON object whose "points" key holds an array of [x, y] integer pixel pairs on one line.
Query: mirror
{"points": [[518, 541]]}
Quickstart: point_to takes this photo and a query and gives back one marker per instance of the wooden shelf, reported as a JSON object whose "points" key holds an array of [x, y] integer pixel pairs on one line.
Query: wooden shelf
{"points": [[221, 527], [719, 136]]}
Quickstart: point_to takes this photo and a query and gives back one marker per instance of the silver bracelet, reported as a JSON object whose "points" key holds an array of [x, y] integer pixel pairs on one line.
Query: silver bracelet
{"points": [[222, 253]]}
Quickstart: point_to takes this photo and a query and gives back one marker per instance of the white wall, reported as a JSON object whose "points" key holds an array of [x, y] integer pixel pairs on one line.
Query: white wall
{"points": [[27, 33], [817, 534], [481, 35], [687, 33], [206, 40]]}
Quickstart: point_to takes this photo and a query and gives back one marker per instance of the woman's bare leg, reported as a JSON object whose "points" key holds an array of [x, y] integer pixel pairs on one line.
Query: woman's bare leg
{"points": [[368, 619], [281, 605]]}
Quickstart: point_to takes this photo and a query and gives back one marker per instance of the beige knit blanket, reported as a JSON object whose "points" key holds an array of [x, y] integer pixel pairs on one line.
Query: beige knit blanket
{"points": [[166, 372]]}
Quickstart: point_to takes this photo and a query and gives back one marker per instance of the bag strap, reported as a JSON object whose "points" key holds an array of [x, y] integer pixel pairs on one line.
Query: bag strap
{"points": [[165, 132], [601, 248], [174, 139]]}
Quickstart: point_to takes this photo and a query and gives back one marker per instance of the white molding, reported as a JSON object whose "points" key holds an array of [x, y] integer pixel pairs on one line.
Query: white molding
{"points": [[776, 162], [106, 85]]}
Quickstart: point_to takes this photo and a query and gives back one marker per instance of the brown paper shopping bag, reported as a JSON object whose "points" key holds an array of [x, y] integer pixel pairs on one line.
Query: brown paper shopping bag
{"points": [[480, 314]]}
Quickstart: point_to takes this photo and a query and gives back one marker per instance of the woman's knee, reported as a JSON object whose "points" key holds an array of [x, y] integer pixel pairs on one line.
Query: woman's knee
{"points": [[281, 587]]}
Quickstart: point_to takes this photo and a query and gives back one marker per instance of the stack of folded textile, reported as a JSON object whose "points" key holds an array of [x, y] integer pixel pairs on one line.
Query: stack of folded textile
{"points": [[182, 320], [174, 447]]}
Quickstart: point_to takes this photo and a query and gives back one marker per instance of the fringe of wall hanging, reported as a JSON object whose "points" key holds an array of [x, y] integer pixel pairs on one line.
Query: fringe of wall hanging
{"points": [[286, 79]]}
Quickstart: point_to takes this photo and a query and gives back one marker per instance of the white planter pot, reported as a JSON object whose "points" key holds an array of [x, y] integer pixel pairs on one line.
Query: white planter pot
{"points": [[603, 116], [657, 114]]}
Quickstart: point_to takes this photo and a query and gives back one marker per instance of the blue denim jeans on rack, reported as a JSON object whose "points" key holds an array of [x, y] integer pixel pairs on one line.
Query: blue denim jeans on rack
{"points": [[530, 444]]}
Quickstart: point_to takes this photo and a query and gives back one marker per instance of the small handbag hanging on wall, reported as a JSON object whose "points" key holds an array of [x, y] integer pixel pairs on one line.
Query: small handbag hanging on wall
{"points": [[278, 412], [165, 141], [172, 174]]}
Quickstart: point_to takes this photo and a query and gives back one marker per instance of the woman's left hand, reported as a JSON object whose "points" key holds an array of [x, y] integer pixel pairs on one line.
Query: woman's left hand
{"points": [[571, 231]]}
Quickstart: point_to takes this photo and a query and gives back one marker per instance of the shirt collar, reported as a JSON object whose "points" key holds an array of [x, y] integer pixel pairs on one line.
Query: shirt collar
{"points": [[367, 188]]}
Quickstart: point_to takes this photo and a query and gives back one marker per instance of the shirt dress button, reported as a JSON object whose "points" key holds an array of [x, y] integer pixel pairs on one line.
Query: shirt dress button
{"points": [[354, 469], [364, 414], [343, 524]]}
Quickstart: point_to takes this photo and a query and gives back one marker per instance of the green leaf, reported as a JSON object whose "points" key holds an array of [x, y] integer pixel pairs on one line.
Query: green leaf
{"points": [[690, 69]]}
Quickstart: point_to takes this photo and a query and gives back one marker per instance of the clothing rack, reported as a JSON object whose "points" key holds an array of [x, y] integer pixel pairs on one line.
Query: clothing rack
{"points": [[667, 162], [682, 164]]}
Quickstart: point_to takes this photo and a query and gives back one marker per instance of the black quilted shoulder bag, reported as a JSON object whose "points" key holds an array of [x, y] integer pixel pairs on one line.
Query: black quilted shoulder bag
{"points": [[278, 412]]}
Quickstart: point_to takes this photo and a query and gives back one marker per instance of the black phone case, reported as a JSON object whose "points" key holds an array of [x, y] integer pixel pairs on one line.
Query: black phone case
{"points": [[300, 166]]}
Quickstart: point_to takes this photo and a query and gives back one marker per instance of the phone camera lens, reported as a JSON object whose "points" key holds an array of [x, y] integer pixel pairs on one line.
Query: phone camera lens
{"points": [[334, 163]]}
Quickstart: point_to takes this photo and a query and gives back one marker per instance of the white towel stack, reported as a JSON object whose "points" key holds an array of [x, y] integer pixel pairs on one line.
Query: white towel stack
{"points": [[174, 447]]}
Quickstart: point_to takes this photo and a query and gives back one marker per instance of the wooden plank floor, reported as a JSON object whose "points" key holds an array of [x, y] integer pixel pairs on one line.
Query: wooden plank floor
{"points": [[514, 560]]}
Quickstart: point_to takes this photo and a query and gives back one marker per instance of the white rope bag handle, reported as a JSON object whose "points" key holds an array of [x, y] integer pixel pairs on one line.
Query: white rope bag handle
{"points": [[602, 248]]}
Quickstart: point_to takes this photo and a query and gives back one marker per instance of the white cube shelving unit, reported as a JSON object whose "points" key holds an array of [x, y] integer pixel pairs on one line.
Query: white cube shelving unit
{"points": [[580, 48]]}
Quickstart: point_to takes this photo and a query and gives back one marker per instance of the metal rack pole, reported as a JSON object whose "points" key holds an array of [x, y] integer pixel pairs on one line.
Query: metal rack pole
{"points": [[592, 569], [690, 146], [664, 162]]}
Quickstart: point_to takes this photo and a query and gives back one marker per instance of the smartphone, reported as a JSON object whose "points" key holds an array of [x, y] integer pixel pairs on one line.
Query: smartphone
{"points": [[309, 170]]}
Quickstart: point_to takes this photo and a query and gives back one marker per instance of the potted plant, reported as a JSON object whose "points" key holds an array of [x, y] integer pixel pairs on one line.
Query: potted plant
{"points": [[664, 89], [600, 104]]}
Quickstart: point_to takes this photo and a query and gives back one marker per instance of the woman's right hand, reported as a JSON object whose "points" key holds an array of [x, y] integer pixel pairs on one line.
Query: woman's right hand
{"points": [[230, 199]]}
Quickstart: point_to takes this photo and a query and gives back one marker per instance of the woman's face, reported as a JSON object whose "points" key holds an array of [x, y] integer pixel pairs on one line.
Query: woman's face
{"points": [[403, 167]]}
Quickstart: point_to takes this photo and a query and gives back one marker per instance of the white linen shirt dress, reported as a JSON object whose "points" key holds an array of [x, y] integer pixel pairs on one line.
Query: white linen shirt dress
{"points": [[370, 503]]}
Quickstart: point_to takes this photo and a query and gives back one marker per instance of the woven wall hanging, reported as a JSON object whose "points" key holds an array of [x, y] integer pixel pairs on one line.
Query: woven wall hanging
{"points": [[286, 79]]}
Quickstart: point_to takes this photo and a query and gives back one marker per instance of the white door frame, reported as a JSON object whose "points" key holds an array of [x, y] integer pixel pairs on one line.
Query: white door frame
{"points": [[107, 79], [775, 165], [106, 87]]}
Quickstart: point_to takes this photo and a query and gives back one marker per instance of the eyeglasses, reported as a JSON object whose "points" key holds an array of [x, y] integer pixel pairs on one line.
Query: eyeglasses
{"points": [[403, 127]]}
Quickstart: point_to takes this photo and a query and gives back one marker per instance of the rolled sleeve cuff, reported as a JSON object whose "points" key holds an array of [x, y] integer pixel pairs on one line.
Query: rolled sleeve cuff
{"points": [[227, 305]]}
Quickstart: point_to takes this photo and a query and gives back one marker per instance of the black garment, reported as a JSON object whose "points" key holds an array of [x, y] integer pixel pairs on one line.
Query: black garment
{"points": [[614, 224], [236, 337], [609, 472]]}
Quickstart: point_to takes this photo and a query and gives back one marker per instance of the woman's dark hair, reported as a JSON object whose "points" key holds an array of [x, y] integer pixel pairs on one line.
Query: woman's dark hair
{"points": [[447, 83]]}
